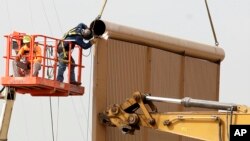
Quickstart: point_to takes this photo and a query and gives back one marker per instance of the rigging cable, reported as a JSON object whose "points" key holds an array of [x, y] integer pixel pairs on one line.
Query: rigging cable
{"points": [[48, 54], [25, 119], [50, 29], [74, 107], [57, 125], [31, 17], [57, 17], [58, 99], [60, 26], [51, 116], [51, 72], [8, 13], [211, 24], [88, 53], [46, 16], [42, 113]]}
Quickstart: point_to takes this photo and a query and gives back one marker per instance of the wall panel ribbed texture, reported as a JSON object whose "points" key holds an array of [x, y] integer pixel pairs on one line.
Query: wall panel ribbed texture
{"points": [[126, 65], [165, 81], [201, 79], [122, 67]]}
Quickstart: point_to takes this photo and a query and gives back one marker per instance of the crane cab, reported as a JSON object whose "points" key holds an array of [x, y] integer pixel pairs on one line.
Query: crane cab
{"points": [[45, 83]]}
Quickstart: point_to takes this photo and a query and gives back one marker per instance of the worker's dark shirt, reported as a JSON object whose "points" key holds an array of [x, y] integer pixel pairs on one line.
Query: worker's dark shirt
{"points": [[74, 39]]}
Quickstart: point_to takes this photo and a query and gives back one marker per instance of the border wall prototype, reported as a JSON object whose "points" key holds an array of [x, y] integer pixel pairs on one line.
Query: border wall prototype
{"points": [[136, 60]]}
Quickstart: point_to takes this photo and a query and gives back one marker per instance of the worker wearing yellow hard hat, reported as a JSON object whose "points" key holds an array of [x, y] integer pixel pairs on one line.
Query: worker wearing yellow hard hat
{"points": [[26, 39], [23, 57]]}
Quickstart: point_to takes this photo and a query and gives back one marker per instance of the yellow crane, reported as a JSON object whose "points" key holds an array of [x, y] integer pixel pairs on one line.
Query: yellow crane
{"points": [[203, 125]]}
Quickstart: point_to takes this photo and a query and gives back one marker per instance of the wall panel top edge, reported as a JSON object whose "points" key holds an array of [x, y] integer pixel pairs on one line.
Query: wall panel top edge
{"points": [[164, 42]]}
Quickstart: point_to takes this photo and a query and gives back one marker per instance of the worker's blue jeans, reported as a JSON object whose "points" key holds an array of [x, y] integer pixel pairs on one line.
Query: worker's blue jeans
{"points": [[62, 67]]}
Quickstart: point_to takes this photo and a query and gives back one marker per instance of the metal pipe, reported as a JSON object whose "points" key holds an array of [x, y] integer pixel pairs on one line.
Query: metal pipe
{"points": [[189, 102], [162, 99]]}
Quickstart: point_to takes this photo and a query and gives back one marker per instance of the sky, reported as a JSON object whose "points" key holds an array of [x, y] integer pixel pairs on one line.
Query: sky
{"points": [[185, 19]]}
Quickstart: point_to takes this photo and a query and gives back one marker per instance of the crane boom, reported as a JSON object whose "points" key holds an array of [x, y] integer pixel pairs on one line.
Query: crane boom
{"points": [[205, 125]]}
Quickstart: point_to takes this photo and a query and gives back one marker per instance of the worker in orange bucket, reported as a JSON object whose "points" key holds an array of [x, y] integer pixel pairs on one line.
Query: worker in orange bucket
{"points": [[21, 65]]}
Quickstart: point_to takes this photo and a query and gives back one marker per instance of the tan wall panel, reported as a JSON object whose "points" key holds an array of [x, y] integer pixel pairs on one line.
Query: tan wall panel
{"points": [[126, 70], [201, 80], [121, 68], [126, 74], [154, 135], [99, 90], [114, 134], [166, 78], [164, 42], [166, 81]]}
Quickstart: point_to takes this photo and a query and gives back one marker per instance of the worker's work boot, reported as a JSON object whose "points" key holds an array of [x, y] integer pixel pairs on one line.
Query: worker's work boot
{"points": [[75, 83]]}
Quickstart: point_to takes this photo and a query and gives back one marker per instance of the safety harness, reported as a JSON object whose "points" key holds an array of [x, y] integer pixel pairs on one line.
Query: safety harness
{"points": [[69, 33]]}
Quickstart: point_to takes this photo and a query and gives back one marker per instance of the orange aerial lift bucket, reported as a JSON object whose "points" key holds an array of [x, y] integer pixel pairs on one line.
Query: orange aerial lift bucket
{"points": [[41, 85]]}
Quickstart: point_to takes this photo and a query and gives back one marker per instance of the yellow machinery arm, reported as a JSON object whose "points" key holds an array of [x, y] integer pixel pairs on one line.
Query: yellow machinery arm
{"points": [[210, 126]]}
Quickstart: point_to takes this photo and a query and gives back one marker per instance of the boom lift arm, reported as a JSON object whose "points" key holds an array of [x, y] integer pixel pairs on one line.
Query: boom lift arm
{"points": [[209, 125], [8, 94]]}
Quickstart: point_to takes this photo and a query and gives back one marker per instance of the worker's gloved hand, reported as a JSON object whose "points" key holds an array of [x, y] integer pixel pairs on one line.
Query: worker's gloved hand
{"points": [[18, 57], [93, 41], [28, 65]]}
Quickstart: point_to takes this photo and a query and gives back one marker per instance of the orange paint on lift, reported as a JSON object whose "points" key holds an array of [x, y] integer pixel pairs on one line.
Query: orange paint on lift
{"points": [[40, 85]]}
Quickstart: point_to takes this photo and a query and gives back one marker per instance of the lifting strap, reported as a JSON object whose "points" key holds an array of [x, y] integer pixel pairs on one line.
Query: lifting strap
{"points": [[212, 26]]}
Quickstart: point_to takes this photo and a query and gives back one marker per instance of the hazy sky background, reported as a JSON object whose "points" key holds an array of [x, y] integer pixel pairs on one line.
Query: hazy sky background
{"points": [[186, 19]]}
